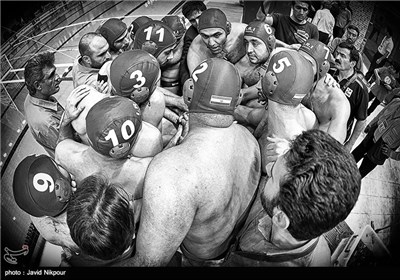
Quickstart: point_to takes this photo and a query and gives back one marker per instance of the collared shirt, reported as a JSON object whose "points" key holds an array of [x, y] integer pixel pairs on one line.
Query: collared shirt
{"points": [[386, 45], [82, 75], [257, 239], [43, 117]]}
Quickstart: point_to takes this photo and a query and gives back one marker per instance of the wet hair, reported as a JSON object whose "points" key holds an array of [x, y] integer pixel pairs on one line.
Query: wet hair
{"points": [[353, 27], [191, 6], [100, 219], [322, 185], [354, 55], [34, 69], [84, 43]]}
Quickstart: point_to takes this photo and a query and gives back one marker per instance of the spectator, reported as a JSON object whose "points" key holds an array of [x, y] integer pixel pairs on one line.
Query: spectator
{"points": [[342, 20], [325, 22], [309, 190], [192, 11], [384, 50], [42, 111], [382, 139], [294, 29], [351, 83]]}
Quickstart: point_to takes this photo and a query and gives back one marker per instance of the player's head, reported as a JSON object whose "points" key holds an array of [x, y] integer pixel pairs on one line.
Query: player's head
{"points": [[113, 125], [176, 24], [134, 74], [260, 41], [41, 187], [288, 79], [136, 23], [116, 33]]}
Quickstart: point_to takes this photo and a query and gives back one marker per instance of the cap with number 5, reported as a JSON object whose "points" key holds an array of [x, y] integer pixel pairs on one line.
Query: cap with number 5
{"points": [[134, 74], [288, 79], [39, 188], [112, 126], [154, 37]]}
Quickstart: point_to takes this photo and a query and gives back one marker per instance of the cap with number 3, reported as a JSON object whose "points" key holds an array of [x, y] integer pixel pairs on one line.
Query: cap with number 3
{"points": [[112, 126], [154, 37], [39, 188], [134, 74]]}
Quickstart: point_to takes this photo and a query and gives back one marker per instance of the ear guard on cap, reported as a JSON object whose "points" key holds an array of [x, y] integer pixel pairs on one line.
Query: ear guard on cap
{"points": [[271, 83], [120, 151], [188, 88], [63, 190]]}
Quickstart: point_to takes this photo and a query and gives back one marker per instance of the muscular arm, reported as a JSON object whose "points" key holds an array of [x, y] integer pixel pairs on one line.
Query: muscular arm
{"points": [[167, 214], [340, 115], [358, 128]]}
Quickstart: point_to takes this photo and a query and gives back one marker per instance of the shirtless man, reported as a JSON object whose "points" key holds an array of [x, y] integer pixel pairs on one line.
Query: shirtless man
{"points": [[170, 71], [329, 103], [260, 43], [197, 193], [288, 79], [217, 38]]}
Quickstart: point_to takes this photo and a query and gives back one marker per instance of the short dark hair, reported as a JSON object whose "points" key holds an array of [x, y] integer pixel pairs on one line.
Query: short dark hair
{"points": [[84, 43], [354, 54], [100, 219], [191, 6], [34, 69], [322, 185], [308, 2], [351, 26]]}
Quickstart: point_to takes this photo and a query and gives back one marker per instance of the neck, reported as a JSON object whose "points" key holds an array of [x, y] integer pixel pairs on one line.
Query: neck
{"points": [[299, 22], [39, 95], [345, 74]]}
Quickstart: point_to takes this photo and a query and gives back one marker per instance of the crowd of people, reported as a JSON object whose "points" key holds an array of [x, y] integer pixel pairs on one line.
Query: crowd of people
{"points": [[226, 144]]}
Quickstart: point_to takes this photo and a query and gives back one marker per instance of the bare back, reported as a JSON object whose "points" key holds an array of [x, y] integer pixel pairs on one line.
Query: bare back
{"points": [[153, 111], [195, 193]]}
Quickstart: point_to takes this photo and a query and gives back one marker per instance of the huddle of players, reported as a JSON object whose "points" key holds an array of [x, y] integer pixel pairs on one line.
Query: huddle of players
{"points": [[147, 199]]}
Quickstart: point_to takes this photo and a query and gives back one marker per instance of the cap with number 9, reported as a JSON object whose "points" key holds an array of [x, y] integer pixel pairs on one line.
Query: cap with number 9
{"points": [[39, 188], [154, 37], [112, 126], [288, 79], [216, 87], [134, 74]]}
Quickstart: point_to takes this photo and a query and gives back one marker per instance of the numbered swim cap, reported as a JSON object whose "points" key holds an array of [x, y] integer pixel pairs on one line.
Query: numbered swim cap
{"points": [[137, 23], [263, 32], [176, 24], [112, 29], [39, 188], [288, 79], [321, 54], [112, 126], [154, 37], [134, 74], [216, 87], [213, 18]]}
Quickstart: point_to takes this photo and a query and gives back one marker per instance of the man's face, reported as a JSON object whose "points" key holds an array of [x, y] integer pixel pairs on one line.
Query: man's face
{"points": [[99, 52], [214, 38], [352, 36], [194, 18], [256, 49], [166, 56], [342, 59], [123, 41], [50, 84], [276, 172], [300, 11]]}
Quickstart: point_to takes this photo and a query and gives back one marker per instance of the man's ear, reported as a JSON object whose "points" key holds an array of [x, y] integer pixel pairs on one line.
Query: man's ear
{"points": [[280, 218], [228, 28], [86, 59], [36, 85]]}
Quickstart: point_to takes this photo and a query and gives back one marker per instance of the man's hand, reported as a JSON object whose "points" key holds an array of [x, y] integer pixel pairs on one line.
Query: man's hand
{"points": [[386, 150], [330, 81], [176, 138], [301, 36], [102, 87], [294, 46], [72, 111], [276, 148], [184, 120]]}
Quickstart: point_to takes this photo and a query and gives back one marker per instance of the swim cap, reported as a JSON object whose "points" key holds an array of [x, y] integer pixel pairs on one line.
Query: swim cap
{"points": [[154, 37], [216, 87], [112, 29], [176, 24], [112, 126], [134, 75], [321, 54], [213, 18], [137, 23], [288, 79], [39, 188], [263, 32]]}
